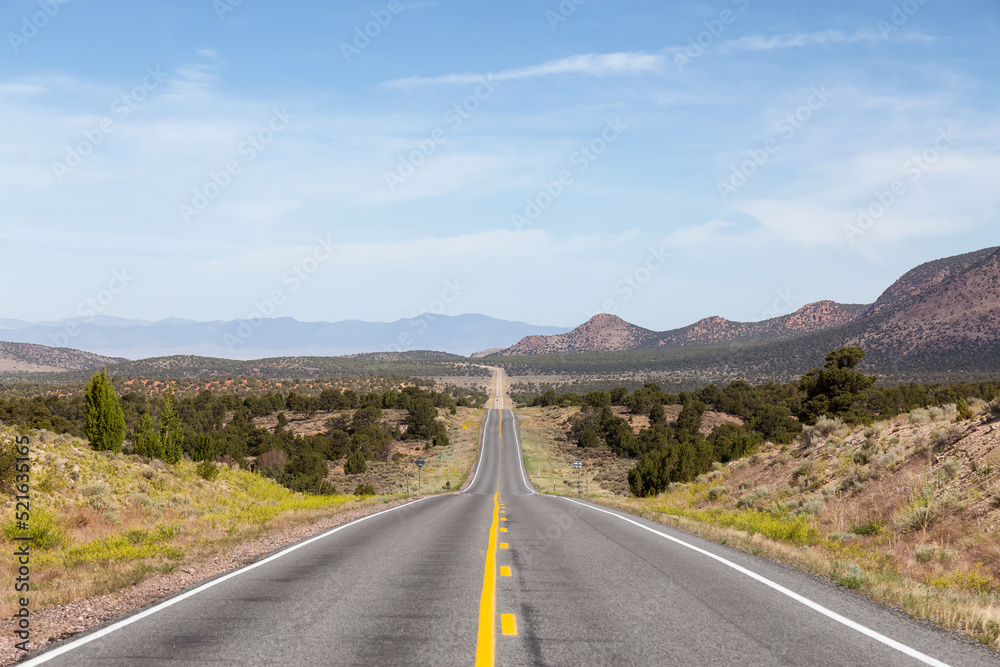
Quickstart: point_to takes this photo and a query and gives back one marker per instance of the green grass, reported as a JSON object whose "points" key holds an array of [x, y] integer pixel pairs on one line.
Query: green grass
{"points": [[795, 531]]}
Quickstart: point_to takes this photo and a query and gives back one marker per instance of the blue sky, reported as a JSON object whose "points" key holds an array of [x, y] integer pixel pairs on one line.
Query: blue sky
{"points": [[533, 160]]}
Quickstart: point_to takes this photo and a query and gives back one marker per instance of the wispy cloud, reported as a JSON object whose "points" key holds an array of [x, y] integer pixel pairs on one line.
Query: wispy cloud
{"points": [[625, 62], [822, 38], [587, 64]]}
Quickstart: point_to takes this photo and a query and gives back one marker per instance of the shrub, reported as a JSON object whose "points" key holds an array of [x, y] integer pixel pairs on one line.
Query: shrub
{"points": [[207, 470], [588, 437], [849, 575], [326, 488], [754, 498], [965, 413], [96, 489], [925, 553], [917, 518], [355, 464], [972, 579], [827, 426], [364, 490], [8, 465], [138, 499], [273, 459], [718, 492], [43, 530], [440, 440], [868, 528], [950, 469]]}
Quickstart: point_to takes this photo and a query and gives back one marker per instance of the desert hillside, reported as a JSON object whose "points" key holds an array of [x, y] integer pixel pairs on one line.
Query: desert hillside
{"points": [[28, 358]]}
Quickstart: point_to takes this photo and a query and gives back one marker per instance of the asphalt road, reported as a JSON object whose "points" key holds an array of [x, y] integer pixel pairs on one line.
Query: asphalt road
{"points": [[516, 578]]}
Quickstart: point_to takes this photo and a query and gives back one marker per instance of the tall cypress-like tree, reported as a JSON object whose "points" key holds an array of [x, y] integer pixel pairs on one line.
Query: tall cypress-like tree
{"points": [[105, 419], [170, 431], [146, 440]]}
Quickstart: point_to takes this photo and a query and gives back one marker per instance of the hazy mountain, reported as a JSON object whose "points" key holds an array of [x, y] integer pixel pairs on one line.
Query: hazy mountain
{"points": [[137, 339]]}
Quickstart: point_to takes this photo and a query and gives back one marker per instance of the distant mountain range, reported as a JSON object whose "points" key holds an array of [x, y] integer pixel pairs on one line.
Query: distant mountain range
{"points": [[946, 307], [281, 337], [940, 320]]}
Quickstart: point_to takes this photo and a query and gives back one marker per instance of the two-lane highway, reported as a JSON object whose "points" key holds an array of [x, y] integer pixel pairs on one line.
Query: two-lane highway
{"points": [[500, 574]]}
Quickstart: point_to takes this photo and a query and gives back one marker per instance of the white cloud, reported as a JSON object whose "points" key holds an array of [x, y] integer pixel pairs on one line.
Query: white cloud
{"points": [[822, 38], [587, 64]]}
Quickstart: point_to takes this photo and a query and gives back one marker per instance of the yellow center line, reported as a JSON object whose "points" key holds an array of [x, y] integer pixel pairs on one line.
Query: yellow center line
{"points": [[504, 545], [486, 646], [508, 625], [504, 571]]}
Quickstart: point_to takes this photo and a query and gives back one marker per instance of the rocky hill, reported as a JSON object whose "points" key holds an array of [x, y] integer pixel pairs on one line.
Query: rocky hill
{"points": [[945, 307], [955, 323], [717, 330], [602, 333], [925, 277]]}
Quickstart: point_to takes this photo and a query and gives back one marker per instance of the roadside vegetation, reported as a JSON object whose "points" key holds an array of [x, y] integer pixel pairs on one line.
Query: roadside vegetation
{"points": [[337, 428], [104, 520], [890, 491]]}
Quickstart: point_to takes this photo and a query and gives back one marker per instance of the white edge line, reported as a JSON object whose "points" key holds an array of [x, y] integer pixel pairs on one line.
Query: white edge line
{"points": [[481, 447], [520, 451], [892, 643], [56, 652]]}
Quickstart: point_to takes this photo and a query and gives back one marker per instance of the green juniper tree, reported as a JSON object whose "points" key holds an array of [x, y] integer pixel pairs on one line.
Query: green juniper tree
{"points": [[834, 389], [105, 419], [171, 434], [145, 439]]}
